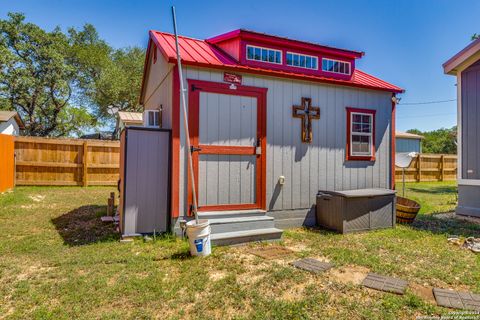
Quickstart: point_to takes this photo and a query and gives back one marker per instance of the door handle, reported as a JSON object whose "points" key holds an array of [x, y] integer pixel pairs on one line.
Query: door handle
{"points": [[195, 149]]}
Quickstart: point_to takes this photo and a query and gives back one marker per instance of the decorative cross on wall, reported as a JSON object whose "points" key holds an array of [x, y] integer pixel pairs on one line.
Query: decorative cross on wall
{"points": [[306, 112]]}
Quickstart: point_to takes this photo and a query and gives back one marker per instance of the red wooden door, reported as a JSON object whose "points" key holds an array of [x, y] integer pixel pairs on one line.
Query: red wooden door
{"points": [[228, 138]]}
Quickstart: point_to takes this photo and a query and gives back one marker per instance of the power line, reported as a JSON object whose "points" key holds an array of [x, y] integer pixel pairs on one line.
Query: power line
{"points": [[429, 115], [426, 102]]}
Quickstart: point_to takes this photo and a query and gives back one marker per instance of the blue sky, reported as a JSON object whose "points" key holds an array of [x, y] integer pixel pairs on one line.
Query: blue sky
{"points": [[405, 42]]}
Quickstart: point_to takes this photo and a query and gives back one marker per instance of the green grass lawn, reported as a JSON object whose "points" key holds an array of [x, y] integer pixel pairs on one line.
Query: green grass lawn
{"points": [[434, 197], [57, 261]]}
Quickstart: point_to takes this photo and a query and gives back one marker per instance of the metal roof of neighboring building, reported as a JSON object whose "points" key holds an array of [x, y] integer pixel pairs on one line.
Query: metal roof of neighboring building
{"points": [[464, 58], [7, 115], [201, 53], [131, 117], [406, 135]]}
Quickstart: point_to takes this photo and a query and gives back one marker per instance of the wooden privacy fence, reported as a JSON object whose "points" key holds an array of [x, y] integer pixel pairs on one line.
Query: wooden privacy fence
{"points": [[430, 167], [66, 162]]}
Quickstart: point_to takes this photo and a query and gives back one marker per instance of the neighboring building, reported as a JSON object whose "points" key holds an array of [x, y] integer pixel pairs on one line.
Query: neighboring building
{"points": [[102, 135], [272, 121], [408, 142], [10, 123], [465, 65]]}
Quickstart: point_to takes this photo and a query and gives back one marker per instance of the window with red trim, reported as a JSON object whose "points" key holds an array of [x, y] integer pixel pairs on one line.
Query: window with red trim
{"points": [[360, 134]]}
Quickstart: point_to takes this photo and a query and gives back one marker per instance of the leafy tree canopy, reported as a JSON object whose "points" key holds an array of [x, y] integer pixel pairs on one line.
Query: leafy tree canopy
{"points": [[64, 83], [438, 141], [110, 78]]}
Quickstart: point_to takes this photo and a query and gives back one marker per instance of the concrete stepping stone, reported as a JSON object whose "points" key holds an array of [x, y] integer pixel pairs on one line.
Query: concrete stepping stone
{"points": [[271, 252], [312, 265], [457, 299], [384, 283]]}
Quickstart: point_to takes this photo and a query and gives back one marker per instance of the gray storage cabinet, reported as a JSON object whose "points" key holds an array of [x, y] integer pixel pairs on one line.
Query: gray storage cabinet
{"points": [[356, 210], [144, 180]]}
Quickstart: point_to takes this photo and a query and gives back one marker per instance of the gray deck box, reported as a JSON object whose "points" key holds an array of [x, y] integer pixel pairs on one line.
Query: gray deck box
{"points": [[356, 210]]}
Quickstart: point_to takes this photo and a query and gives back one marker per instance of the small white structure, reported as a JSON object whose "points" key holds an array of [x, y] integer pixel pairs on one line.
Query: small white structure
{"points": [[128, 119], [408, 142], [10, 123]]}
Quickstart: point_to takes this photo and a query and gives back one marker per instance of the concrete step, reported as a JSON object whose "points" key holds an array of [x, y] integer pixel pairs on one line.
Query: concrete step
{"points": [[230, 214], [237, 237], [221, 225]]}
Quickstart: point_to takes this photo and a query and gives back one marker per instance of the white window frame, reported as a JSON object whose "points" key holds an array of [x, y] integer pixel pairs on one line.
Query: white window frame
{"points": [[147, 118], [370, 134], [258, 47], [301, 55], [341, 61]]}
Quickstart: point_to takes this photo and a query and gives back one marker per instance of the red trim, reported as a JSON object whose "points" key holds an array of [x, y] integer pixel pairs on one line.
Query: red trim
{"points": [[292, 69], [154, 54], [197, 86], [211, 149], [349, 157], [282, 41], [392, 145], [175, 143], [288, 75], [146, 68]]}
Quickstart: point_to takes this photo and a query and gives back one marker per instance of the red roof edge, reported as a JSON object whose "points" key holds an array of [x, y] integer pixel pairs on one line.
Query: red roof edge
{"points": [[239, 68], [243, 33]]}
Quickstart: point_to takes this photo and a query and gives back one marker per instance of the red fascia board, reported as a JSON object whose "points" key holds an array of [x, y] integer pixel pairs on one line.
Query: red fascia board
{"points": [[240, 68], [145, 71], [285, 42]]}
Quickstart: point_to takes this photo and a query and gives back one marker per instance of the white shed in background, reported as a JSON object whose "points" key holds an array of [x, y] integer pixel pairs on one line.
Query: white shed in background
{"points": [[10, 123], [408, 142], [128, 119]]}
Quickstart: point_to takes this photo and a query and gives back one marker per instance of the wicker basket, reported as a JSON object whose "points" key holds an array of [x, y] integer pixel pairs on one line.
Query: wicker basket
{"points": [[406, 210]]}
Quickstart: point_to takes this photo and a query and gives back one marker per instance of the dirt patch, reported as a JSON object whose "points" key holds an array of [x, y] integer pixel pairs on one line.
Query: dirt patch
{"points": [[271, 252], [37, 198], [424, 292], [216, 275], [297, 246], [349, 274]]}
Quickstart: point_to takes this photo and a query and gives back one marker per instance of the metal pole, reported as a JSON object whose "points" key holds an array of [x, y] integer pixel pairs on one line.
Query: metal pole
{"points": [[403, 181], [185, 122]]}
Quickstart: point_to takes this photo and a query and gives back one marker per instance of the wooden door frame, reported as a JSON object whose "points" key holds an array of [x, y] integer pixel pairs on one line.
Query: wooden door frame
{"points": [[194, 89]]}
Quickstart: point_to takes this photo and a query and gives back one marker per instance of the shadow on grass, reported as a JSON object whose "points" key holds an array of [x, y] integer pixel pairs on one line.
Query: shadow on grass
{"points": [[83, 226], [435, 190], [450, 226]]}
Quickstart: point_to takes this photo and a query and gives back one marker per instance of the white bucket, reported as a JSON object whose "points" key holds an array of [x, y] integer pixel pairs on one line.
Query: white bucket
{"points": [[199, 237]]}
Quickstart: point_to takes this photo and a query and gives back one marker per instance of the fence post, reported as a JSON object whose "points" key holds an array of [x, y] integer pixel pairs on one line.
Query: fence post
{"points": [[442, 169], [419, 168], [85, 164]]}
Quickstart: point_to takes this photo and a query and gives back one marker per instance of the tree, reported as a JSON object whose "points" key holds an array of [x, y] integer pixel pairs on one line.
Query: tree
{"points": [[38, 80], [110, 78], [438, 141], [475, 37]]}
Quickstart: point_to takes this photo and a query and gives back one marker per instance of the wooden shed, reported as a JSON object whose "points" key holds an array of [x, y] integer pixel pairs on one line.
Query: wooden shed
{"points": [[272, 121], [465, 65]]}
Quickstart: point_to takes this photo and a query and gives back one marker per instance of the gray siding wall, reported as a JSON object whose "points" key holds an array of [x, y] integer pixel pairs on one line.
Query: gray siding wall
{"points": [[321, 164], [470, 122], [407, 145], [468, 200], [146, 181]]}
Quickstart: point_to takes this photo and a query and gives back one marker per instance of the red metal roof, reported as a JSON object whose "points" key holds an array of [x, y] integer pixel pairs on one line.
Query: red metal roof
{"points": [[201, 53]]}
